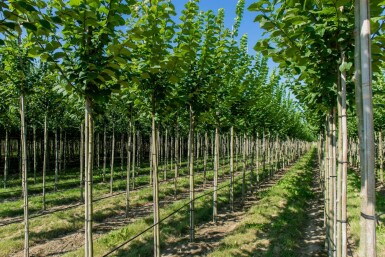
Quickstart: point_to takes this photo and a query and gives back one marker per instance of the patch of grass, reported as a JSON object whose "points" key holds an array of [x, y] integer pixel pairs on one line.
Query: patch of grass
{"points": [[354, 209]]}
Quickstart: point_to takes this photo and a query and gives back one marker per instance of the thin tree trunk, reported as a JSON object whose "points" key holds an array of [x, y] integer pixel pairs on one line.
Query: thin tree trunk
{"points": [[232, 168], [60, 150], [128, 169], [381, 156], [176, 161], [205, 154], [34, 155], [104, 153], [112, 159], [342, 168], [191, 168], [368, 171], [155, 184], [6, 158], [45, 158], [88, 178], [65, 152], [133, 154], [98, 152], [344, 135], [122, 154], [244, 169], [82, 133], [165, 155], [23, 141], [56, 160], [216, 167]]}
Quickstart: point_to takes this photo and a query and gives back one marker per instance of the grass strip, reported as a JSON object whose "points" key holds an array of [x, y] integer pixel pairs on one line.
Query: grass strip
{"points": [[273, 227]]}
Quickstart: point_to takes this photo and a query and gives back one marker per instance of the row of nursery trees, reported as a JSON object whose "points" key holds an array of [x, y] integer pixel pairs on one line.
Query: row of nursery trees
{"points": [[334, 49], [75, 71]]}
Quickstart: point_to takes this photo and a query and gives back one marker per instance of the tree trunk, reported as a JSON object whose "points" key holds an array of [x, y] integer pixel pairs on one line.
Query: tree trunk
{"points": [[88, 142], [381, 156], [176, 160], [128, 169], [45, 157], [342, 167], [104, 153], [191, 168], [23, 141], [165, 156], [232, 168], [133, 154], [205, 153], [6, 158], [82, 133], [244, 169], [155, 183], [98, 152], [122, 154], [365, 114], [34, 155], [65, 152], [56, 160], [216, 167], [112, 159]]}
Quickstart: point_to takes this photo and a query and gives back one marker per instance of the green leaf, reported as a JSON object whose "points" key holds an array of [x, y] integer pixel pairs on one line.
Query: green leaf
{"points": [[45, 24], [346, 66], [145, 75], [29, 26], [27, 6], [58, 55], [75, 2]]}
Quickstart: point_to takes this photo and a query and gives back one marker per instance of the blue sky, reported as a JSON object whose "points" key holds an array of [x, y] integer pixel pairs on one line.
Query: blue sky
{"points": [[248, 25]]}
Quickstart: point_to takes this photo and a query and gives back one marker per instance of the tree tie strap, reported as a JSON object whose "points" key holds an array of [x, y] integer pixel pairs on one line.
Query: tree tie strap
{"points": [[342, 221], [342, 162], [368, 217], [332, 176]]}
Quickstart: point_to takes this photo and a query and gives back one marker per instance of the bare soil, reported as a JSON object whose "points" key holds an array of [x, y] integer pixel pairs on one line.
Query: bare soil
{"points": [[314, 232]]}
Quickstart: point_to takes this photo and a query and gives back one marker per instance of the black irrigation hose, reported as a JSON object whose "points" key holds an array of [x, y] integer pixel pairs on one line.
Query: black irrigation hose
{"points": [[168, 216]]}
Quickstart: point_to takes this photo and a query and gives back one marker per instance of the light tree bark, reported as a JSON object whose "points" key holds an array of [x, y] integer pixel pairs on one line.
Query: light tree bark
{"points": [[81, 161], [216, 167], [342, 167], [34, 154], [381, 156], [191, 171], [232, 168], [367, 143], [205, 154], [88, 142], [176, 160], [134, 140], [104, 153], [155, 183], [244, 168], [56, 160], [45, 157], [128, 169], [23, 141], [6, 158], [112, 159]]}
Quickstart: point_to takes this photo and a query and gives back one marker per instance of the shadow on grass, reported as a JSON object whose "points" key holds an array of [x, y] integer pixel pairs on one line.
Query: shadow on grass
{"points": [[285, 231]]}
